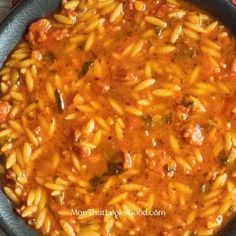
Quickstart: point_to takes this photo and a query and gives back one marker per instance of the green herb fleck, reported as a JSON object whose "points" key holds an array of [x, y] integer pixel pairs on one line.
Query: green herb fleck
{"points": [[85, 68], [95, 181], [168, 119], [148, 120], [223, 158], [59, 101], [3, 158], [50, 56], [114, 168]]}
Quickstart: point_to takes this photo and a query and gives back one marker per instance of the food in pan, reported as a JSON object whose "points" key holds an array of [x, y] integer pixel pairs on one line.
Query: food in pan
{"points": [[119, 118]]}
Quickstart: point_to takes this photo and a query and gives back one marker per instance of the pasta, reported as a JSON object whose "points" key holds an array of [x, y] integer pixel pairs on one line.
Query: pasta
{"points": [[118, 118]]}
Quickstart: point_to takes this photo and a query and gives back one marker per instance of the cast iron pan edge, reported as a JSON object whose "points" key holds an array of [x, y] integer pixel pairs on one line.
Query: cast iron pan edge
{"points": [[13, 27], [224, 10], [11, 31]]}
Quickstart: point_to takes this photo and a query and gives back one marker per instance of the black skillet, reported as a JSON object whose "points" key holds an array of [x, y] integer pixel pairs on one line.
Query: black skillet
{"points": [[11, 31]]}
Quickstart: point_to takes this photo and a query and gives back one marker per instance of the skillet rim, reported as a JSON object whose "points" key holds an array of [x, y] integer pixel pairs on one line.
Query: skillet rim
{"points": [[11, 31]]}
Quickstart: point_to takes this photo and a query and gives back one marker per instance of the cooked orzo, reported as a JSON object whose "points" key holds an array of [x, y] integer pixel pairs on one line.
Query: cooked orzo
{"points": [[118, 117]]}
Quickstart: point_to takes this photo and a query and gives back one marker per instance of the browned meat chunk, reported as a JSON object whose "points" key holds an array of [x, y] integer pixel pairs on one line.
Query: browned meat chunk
{"points": [[159, 164], [5, 109], [41, 31], [38, 31], [59, 34], [193, 135], [85, 152]]}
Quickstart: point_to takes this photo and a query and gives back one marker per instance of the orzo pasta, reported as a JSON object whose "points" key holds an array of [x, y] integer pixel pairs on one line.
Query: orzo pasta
{"points": [[119, 118]]}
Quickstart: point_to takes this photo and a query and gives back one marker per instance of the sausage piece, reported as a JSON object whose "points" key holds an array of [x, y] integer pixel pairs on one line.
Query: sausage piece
{"points": [[41, 31], [38, 31]]}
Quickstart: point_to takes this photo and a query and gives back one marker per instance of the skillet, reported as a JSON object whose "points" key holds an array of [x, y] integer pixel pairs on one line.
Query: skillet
{"points": [[11, 31]]}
